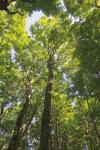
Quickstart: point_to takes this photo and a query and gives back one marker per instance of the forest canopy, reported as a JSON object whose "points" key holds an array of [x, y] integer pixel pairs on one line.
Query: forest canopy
{"points": [[50, 78]]}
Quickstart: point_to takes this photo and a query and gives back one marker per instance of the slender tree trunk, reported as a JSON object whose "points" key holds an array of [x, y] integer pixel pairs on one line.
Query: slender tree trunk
{"points": [[45, 137], [1, 111], [90, 146], [87, 126], [93, 122], [93, 144], [64, 141], [14, 143], [56, 135]]}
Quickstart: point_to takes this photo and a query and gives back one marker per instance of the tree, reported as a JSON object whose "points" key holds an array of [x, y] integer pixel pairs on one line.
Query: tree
{"points": [[48, 36], [86, 79], [49, 81], [29, 5]]}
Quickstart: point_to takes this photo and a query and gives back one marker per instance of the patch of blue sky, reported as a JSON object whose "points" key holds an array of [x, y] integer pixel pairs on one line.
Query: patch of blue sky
{"points": [[36, 15]]}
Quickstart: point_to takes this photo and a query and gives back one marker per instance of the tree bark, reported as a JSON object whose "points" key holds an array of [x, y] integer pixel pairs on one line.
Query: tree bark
{"points": [[14, 143], [1, 111], [45, 137]]}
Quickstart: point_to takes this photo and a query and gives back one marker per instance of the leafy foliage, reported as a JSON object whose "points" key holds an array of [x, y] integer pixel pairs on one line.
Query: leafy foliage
{"points": [[73, 44]]}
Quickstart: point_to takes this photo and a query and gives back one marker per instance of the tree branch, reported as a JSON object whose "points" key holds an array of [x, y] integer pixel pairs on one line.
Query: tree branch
{"points": [[24, 130], [13, 13]]}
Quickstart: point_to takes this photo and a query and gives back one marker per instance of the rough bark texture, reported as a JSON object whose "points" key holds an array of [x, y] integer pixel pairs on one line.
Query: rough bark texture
{"points": [[14, 143], [45, 138]]}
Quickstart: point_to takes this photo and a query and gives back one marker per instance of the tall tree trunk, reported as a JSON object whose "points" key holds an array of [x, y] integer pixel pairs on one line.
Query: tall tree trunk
{"points": [[56, 133], [2, 113], [92, 139], [93, 121], [64, 141], [45, 137], [97, 134], [87, 126], [14, 143]]}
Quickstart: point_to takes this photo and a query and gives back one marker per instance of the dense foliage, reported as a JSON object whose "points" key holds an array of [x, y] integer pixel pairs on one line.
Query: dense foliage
{"points": [[50, 80]]}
